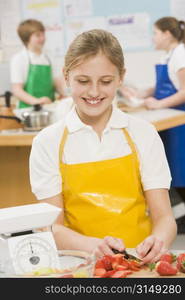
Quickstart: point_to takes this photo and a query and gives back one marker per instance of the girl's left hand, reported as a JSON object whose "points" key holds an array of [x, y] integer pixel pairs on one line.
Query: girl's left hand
{"points": [[151, 249], [152, 103]]}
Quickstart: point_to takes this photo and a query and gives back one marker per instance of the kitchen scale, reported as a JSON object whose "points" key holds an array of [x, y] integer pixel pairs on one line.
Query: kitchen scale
{"points": [[24, 248]]}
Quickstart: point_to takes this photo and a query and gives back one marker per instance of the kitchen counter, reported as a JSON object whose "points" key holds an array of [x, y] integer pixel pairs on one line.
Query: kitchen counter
{"points": [[15, 149]]}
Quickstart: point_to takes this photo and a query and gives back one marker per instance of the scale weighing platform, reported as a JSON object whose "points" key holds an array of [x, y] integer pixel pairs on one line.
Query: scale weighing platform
{"points": [[23, 248]]}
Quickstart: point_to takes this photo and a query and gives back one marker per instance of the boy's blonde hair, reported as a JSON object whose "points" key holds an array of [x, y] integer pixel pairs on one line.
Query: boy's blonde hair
{"points": [[27, 28], [89, 44]]}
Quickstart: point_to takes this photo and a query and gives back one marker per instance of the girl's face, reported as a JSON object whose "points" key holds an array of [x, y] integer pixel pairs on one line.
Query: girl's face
{"points": [[160, 39], [36, 41], [93, 86]]}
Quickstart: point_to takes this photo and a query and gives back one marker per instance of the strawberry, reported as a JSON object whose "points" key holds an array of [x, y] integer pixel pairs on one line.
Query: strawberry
{"points": [[99, 264], [119, 274], [121, 268], [165, 268], [99, 272], [117, 260], [181, 262], [134, 265], [108, 274], [107, 262], [169, 257]]}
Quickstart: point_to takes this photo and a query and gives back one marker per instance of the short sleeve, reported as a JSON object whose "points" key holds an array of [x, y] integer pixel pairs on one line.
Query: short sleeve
{"points": [[44, 169], [18, 68], [179, 59]]}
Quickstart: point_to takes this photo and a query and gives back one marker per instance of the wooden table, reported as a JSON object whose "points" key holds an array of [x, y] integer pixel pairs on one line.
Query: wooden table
{"points": [[15, 150]]}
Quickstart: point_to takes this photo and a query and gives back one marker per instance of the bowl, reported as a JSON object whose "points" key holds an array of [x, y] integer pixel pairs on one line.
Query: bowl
{"points": [[72, 264], [76, 264]]}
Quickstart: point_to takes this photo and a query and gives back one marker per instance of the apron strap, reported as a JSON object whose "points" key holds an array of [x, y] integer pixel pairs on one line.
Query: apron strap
{"points": [[128, 138], [61, 148], [131, 144]]}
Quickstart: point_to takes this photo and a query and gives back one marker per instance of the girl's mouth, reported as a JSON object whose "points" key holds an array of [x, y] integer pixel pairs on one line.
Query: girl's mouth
{"points": [[93, 101]]}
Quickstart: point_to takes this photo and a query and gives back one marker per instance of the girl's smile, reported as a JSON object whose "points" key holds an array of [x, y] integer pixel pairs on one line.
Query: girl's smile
{"points": [[93, 86]]}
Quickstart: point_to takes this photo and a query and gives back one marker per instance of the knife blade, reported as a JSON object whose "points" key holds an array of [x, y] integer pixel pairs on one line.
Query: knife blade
{"points": [[129, 253]]}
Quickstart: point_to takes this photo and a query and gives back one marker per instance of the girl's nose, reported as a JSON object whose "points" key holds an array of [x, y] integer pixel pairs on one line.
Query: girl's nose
{"points": [[93, 90]]}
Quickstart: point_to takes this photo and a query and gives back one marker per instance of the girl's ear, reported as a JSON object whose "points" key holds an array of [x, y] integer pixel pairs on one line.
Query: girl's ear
{"points": [[122, 76]]}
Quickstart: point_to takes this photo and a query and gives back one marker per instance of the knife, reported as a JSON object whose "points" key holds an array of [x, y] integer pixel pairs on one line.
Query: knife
{"points": [[129, 253]]}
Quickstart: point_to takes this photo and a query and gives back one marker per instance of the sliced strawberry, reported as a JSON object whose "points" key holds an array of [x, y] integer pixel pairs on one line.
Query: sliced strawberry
{"points": [[134, 265], [107, 262], [121, 268], [125, 263], [165, 268], [99, 272], [117, 260], [119, 274], [99, 264], [108, 274]]}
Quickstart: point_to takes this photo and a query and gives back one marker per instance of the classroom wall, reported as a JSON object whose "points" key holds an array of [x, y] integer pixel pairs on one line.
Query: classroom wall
{"points": [[139, 59]]}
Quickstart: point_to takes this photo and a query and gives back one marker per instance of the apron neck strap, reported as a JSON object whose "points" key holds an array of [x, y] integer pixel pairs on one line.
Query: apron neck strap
{"points": [[128, 138], [61, 148]]}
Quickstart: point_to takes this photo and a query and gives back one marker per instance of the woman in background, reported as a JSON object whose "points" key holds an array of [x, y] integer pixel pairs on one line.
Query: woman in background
{"points": [[169, 91], [33, 76]]}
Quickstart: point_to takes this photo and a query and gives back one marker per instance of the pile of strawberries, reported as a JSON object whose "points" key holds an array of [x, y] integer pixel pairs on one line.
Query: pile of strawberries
{"points": [[169, 264], [117, 266]]}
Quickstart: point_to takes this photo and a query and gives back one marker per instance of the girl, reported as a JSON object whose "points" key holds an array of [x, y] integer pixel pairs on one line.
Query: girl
{"points": [[169, 35], [107, 170], [32, 77]]}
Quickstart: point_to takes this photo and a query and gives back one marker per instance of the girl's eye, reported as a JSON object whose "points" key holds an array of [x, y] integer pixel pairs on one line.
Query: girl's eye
{"points": [[106, 82], [83, 81]]}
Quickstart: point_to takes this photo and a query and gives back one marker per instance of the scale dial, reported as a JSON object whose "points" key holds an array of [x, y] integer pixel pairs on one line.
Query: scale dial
{"points": [[33, 252]]}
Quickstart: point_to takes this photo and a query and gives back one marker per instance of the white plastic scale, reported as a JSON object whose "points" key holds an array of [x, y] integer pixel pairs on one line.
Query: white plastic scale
{"points": [[23, 249]]}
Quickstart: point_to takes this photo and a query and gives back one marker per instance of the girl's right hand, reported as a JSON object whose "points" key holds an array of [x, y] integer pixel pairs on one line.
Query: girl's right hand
{"points": [[106, 245]]}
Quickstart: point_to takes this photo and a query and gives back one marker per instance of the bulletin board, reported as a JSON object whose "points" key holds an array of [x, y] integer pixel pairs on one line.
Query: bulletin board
{"points": [[129, 20]]}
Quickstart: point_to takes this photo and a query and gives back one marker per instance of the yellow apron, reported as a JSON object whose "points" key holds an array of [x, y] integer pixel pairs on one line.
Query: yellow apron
{"points": [[105, 197]]}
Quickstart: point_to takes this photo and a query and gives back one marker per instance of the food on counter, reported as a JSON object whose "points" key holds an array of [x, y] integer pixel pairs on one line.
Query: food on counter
{"points": [[164, 268], [115, 266], [120, 266], [169, 257], [181, 262]]}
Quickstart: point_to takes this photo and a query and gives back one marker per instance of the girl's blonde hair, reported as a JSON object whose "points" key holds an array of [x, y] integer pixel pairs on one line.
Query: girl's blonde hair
{"points": [[89, 44], [174, 26], [27, 28]]}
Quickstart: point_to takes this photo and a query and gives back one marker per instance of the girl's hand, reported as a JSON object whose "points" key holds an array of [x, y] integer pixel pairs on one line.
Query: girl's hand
{"points": [[151, 249], [107, 244], [44, 100], [152, 103]]}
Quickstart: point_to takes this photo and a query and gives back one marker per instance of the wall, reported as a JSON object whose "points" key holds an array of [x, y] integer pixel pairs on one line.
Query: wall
{"points": [[139, 58]]}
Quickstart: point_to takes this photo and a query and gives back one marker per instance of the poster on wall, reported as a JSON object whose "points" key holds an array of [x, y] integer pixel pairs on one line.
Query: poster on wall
{"points": [[76, 8], [49, 13], [77, 26], [9, 21], [177, 8], [132, 30]]}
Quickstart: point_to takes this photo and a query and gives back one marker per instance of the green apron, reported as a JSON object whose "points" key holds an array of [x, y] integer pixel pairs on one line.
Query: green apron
{"points": [[39, 83]]}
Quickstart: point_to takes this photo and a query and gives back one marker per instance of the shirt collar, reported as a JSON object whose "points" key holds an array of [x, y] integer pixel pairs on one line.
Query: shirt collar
{"points": [[118, 119]]}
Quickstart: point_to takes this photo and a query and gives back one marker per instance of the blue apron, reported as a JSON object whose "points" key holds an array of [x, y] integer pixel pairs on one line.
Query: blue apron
{"points": [[174, 138]]}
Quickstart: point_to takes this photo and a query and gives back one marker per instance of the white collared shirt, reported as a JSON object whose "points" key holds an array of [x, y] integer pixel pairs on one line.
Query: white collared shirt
{"points": [[19, 64], [84, 145], [176, 61]]}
